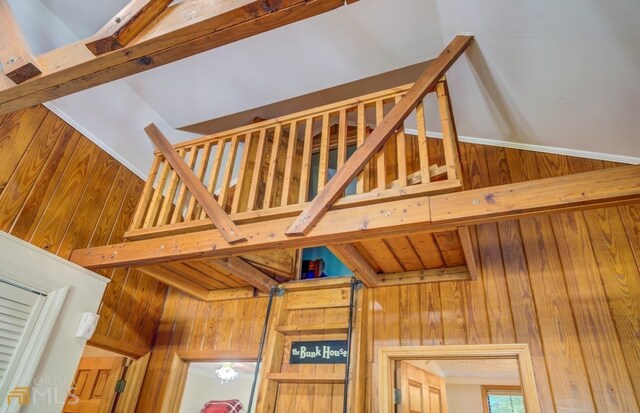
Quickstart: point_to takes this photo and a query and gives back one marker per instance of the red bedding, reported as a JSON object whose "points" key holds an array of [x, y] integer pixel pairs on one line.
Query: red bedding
{"points": [[222, 406]]}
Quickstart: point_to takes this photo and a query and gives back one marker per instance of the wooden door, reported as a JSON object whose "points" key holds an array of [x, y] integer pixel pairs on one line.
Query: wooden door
{"points": [[94, 388], [420, 390], [128, 399]]}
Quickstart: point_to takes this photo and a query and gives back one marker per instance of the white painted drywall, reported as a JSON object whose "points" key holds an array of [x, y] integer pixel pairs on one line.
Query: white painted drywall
{"points": [[30, 266]]}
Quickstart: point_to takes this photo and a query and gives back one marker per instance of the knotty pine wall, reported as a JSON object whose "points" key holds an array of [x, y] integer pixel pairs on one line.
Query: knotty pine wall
{"points": [[59, 191], [568, 285]]}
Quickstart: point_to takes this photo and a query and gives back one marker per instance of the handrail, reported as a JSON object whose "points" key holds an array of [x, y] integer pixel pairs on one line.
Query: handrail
{"points": [[275, 167], [254, 127]]}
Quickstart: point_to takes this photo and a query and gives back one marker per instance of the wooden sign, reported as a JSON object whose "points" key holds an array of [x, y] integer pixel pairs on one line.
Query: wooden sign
{"points": [[319, 352]]}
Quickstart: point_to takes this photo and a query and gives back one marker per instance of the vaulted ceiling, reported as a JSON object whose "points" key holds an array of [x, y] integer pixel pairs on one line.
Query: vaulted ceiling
{"points": [[563, 75]]}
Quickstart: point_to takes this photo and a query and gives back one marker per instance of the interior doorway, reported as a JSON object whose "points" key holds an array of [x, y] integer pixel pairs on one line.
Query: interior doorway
{"points": [[447, 379], [106, 382]]}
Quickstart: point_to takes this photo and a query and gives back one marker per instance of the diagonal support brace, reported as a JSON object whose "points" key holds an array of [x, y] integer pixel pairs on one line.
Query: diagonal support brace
{"points": [[214, 211], [376, 140]]}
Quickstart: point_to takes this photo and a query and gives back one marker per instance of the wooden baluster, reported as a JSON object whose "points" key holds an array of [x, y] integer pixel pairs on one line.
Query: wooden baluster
{"points": [[449, 137], [271, 176], [423, 147], [342, 138], [228, 173], [401, 143], [237, 195], [306, 161], [323, 164], [215, 170], [167, 204], [381, 164], [202, 169], [145, 197], [363, 177], [291, 150], [257, 169], [182, 193], [156, 200]]}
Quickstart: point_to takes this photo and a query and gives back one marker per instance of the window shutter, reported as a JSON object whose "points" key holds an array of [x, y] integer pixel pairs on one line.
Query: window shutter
{"points": [[19, 310]]}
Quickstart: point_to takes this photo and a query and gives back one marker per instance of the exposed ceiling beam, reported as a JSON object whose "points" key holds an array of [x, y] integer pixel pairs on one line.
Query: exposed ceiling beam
{"points": [[182, 30], [245, 271], [126, 25], [376, 140], [423, 214], [209, 204], [350, 256], [15, 56]]}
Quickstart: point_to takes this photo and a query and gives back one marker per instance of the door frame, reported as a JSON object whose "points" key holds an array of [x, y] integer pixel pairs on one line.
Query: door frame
{"points": [[179, 368], [387, 357]]}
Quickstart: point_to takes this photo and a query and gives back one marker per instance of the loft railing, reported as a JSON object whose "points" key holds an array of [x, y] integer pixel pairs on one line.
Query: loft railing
{"points": [[275, 167]]}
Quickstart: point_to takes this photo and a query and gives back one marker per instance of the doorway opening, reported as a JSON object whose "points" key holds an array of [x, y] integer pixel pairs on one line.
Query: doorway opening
{"points": [[471, 379], [106, 382]]}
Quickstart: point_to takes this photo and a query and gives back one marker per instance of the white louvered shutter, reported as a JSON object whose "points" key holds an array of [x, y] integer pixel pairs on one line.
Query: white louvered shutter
{"points": [[19, 311]]}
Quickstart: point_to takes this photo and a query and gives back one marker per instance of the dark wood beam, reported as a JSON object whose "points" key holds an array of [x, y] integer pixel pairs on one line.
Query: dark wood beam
{"points": [[15, 56], [214, 211], [126, 25], [608, 187], [350, 256], [182, 30], [376, 140]]}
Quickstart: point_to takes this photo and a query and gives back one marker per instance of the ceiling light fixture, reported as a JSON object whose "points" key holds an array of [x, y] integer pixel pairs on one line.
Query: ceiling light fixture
{"points": [[227, 372]]}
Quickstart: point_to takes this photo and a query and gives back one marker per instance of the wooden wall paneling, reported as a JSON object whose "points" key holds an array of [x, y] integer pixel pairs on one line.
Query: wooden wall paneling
{"points": [[454, 321], [47, 233], [132, 331], [568, 378], [477, 323], [621, 281], [490, 254], [630, 215], [159, 356], [410, 306], [598, 338], [16, 133], [431, 315], [109, 306], [110, 211], [44, 189], [600, 345], [90, 206], [523, 309], [48, 146], [60, 191]]}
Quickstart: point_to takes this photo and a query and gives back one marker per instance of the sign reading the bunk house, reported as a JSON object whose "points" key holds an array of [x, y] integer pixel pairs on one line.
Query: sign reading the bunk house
{"points": [[319, 352]]}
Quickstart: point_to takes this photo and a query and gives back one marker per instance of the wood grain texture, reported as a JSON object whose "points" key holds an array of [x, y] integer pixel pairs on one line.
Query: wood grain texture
{"points": [[73, 67], [567, 286], [59, 191]]}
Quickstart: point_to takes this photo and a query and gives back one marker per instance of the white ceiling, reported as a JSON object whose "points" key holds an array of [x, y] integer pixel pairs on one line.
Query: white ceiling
{"points": [[564, 74], [489, 370]]}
